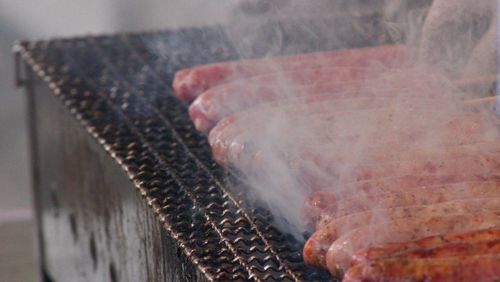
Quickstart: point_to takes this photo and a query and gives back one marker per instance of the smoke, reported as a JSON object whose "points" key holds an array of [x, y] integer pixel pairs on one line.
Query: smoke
{"points": [[393, 119], [287, 148]]}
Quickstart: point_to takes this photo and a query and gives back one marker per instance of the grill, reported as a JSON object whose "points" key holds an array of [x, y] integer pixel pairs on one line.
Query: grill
{"points": [[118, 89]]}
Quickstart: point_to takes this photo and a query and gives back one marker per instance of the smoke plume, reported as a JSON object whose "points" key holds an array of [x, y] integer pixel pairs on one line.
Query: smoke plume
{"points": [[400, 117]]}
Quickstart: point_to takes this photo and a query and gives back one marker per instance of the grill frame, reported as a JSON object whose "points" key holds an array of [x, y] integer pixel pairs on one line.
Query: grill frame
{"points": [[124, 105], [95, 227]]}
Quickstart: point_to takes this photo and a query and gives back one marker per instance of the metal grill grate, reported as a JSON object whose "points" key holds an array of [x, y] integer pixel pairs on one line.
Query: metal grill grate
{"points": [[118, 87]]}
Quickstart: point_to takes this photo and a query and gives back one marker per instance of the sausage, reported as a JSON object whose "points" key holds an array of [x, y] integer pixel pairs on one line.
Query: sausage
{"points": [[304, 110], [455, 249], [394, 184], [467, 168], [322, 206], [480, 268], [369, 177], [213, 105], [189, 83], [334, 83], [319, 203], [218, 102], [348, 127], [393, 249], [340, 253], [317, 246], [332, 174], [307, 102], [485, 163], [379, 153], [477, 162]]}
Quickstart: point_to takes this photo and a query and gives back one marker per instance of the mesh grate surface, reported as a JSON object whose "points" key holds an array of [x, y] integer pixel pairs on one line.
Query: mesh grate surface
{"points": [[118, 87]]}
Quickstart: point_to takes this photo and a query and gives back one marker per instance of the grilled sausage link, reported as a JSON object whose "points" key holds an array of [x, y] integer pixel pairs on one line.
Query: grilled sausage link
{"points": [[317, 246], [454, 250], [481, 268], [321, 207], [388, 250], [340, 253], [324, 84], [231, 137], [485, 163], [189, 83]]}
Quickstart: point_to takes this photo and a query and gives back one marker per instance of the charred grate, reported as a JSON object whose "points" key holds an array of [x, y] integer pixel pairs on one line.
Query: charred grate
{"points": [[118, 87]]}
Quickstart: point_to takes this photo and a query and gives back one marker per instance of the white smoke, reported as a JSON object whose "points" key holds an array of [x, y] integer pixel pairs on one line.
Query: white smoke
{"points": [[289, 147], [287, 151]]}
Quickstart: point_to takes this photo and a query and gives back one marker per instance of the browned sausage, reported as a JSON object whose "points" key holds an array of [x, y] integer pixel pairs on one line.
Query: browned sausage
{"points": [[317, 246], [322, 206], [325, 84], [232, 137], [189, 83], [481, 268], [485, 163], [388, 250], [394, 184], [317, 204], [377, 161], [250, 123], [340, 253], [454, 250]]}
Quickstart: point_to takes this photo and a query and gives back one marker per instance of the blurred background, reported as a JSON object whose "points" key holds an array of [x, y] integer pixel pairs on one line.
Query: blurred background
{"points": [[32, 19]]}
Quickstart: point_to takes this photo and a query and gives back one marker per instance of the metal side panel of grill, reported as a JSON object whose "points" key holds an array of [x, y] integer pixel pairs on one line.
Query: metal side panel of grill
{"points": [[125, 188]]}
